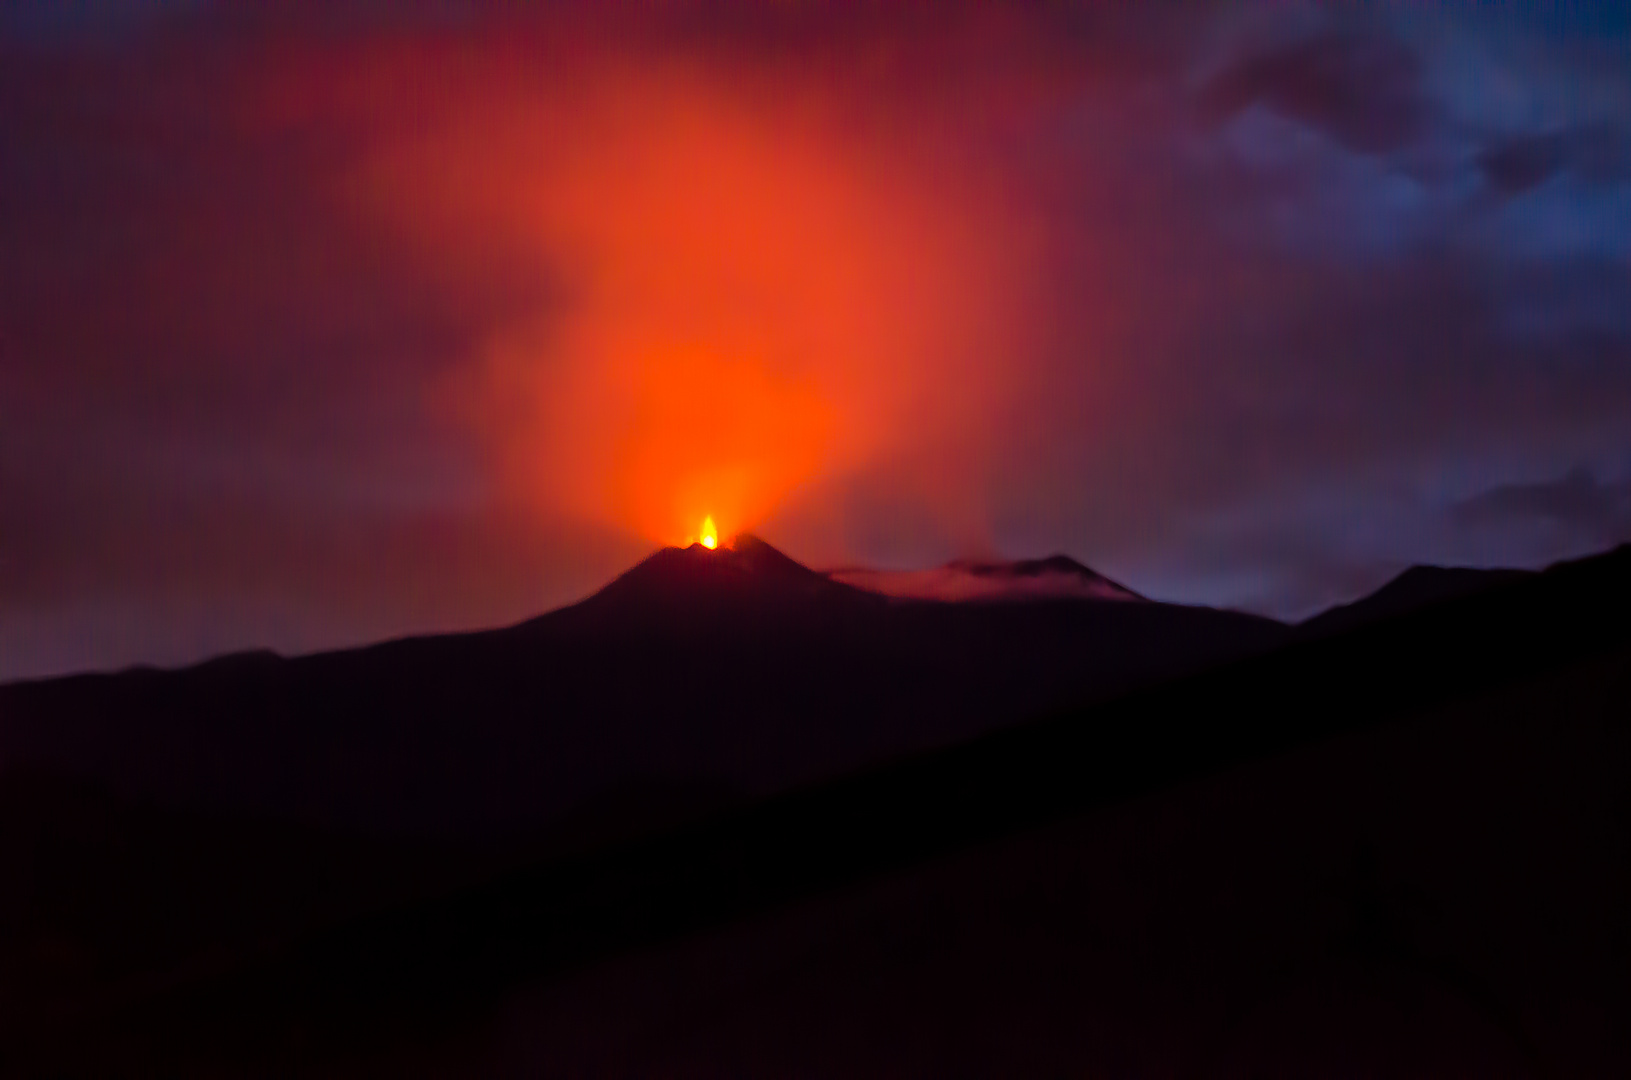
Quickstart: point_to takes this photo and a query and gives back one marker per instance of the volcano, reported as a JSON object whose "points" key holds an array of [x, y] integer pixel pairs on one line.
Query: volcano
{"points": [[746, 575], [772, 787], [163, 815], [732, 670]]}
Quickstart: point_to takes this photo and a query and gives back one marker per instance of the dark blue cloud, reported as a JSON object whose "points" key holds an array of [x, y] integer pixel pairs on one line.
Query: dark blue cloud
{"points": [[1599, 154], [1577, 501], [62, 23], [1363, 88]]}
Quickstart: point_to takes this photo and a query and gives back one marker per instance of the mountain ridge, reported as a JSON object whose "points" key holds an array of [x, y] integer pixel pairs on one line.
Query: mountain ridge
{"points": [[737, 667], [698, 582], [1416, 587]]}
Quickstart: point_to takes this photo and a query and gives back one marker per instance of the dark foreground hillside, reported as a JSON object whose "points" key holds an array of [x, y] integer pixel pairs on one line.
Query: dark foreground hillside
{"points": [[1403, 850], [155, 825]]}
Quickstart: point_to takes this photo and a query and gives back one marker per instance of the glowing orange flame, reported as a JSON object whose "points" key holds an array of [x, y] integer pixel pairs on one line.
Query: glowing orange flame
{"points": [[710, 535]]}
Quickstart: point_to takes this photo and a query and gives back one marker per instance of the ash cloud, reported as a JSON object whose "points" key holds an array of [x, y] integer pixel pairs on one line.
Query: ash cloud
{"points": [[1363, 87]]}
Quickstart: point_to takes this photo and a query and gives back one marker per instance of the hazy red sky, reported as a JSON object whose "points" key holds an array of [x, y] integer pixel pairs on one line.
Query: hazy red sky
{"points": [[323, 322]]}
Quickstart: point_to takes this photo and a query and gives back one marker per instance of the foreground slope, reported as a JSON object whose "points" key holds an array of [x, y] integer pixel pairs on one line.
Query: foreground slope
{"points": [[151, 822], [1396, 851]]}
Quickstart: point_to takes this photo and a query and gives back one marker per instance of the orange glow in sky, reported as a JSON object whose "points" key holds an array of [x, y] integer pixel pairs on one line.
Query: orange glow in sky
{"points": [[741, 298]]}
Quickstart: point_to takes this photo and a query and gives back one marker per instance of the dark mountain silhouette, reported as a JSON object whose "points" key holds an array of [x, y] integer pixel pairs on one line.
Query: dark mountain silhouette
{"points": [[1415, 588], [709, 736], [708, 670], [1396, 849], [244, 799]]}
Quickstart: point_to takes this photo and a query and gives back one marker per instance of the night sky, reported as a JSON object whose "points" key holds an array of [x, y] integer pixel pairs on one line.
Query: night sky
{"points": [[326, 322]]}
